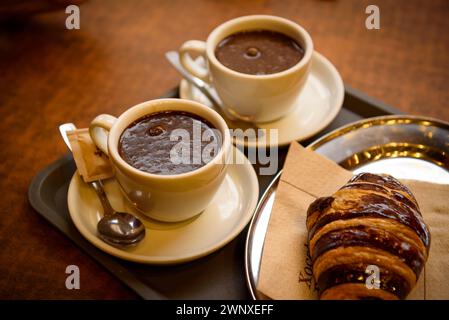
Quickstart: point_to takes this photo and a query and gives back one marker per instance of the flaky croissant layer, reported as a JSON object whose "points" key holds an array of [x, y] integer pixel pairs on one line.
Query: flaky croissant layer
{"points": [[371, 222]]}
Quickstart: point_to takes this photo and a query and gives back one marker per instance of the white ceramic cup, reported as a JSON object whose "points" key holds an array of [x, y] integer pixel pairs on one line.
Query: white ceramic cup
{"points": [[168, 198], [254, 98]]}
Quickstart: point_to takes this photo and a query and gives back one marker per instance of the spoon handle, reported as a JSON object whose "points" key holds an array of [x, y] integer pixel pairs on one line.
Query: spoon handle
{"points": [[98, 187]]}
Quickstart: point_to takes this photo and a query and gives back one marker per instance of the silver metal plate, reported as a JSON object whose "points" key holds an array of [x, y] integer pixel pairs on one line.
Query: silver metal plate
{"points": [[406, 147]]}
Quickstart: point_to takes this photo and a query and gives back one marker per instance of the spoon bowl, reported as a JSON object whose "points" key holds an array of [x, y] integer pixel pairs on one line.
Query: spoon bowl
{"points": [[121, 229]]}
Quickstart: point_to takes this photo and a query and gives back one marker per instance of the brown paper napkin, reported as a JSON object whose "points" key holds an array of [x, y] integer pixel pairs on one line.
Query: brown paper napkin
{"points": [[91, 162], [286, 271]]}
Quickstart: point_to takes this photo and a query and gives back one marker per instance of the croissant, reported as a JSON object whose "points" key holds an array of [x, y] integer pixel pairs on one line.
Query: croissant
{"points": [[372, 224]]}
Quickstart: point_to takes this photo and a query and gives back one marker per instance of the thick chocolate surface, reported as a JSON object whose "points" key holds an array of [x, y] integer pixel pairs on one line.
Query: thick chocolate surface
{"points": [[148, 143], [259, 52]]}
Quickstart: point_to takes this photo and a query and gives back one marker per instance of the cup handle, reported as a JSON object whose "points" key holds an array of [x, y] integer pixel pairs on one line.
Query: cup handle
{"points": [[198, 47], [99, 129]]}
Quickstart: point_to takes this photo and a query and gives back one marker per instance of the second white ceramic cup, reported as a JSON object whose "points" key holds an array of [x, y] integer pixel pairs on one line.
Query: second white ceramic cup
{"points": [[254, 98]]}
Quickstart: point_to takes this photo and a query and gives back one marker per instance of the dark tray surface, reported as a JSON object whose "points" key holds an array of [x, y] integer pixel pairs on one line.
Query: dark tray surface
{"points": [[220, 275]]}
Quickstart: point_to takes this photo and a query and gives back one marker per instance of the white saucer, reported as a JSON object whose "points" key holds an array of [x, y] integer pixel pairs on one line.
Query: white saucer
{"points": [[316, 107], [170, 243]]}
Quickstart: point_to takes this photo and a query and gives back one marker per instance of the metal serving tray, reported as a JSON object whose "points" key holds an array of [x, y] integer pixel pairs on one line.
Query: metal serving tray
{"points": [[407, 147]]}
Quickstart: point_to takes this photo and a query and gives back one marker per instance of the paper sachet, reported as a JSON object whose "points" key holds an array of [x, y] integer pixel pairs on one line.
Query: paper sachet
{"points": [[91, 162]]}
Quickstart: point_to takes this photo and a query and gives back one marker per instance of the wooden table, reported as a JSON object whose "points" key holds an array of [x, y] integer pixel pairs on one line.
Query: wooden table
{"points": [[50, 75]]}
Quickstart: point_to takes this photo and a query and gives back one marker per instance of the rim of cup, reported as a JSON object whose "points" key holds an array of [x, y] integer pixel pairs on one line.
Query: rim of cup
{"points": [[212, 42], [212, 116]]}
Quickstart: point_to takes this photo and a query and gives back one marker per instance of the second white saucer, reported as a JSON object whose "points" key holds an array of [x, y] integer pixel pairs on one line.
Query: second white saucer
{"points": [[318, 104]]}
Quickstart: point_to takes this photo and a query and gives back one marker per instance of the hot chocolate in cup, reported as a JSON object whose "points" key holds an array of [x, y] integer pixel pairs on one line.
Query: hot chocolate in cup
{"points": [[264, 88], [142, 142]]}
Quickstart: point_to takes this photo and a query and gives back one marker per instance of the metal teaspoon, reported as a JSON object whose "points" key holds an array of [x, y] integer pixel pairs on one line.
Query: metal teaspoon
{"points": [[120, 229]]}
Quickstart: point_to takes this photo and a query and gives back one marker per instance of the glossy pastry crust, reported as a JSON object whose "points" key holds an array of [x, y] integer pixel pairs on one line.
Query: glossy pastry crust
{"points": [[372, 220]]}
